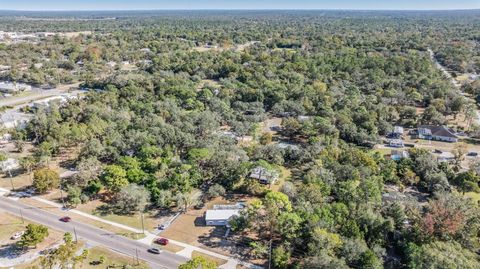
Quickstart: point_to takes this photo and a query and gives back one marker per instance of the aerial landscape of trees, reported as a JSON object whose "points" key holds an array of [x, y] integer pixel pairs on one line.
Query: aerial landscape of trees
{"points": [[147, 138]]}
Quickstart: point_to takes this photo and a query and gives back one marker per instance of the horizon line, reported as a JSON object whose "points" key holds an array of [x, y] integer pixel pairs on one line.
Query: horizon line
{"points": [[235, 9]]}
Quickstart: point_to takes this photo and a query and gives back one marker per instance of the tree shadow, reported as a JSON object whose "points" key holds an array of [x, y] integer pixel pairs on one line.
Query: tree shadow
{"points": [[11, 251], [104, 210], [230, 245]]}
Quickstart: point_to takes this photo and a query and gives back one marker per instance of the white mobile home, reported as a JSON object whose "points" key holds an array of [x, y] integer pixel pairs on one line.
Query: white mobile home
{"points": [[220, 217]]}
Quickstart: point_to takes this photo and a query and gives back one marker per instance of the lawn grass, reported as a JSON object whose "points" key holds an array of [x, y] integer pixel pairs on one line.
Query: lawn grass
{"points": [[134, 221], [284, 175], [171, 247], [9, 225], [473, 195], [218, 261], [112, 260]]}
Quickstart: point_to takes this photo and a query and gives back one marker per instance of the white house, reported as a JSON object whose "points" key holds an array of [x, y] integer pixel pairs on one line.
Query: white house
{"points": [[220, 217], [440, 133], [395, 143], [445, 156]]}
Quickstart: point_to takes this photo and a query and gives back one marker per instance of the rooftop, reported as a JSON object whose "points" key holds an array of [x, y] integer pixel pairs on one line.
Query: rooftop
{"points": [[223, 214], [436, 131]]}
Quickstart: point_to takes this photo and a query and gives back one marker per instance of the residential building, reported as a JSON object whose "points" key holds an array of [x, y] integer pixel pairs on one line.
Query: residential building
{"points": [[395, 143], [220, 217], [444, 156], [263, 175], [397, 133], [440, 133], [398, 130]]}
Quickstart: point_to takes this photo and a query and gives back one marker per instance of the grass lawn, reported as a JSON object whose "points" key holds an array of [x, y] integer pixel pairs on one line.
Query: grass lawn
{"points": [[285, 175], [473, 195], [218, 261], [112, 260], [135, 221], [171, 247], [383, 151], [9, 225]]}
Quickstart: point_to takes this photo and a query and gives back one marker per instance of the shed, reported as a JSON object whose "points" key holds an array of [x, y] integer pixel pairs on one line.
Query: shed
{"points": [[398, 130]]}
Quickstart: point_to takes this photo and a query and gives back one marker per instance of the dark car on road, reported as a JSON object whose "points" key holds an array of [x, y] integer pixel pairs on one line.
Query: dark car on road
{"points": [[65, 219], [154, 250]]}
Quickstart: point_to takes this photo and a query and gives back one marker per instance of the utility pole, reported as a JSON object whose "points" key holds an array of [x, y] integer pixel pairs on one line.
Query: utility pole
{"points": [[21, 215], [11, 180], [270, 255], [143, 223], [76, 237], [136, 253], [63, 200]]}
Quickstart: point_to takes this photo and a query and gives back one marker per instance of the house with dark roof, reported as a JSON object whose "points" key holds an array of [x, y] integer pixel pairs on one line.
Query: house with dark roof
{"points": [[439, 133], [263, 175]]}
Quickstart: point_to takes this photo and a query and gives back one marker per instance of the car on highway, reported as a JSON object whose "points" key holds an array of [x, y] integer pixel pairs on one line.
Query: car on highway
{"points": [[163, 226], [154, 250], [17, 235], [161, 241], [65, 219]]}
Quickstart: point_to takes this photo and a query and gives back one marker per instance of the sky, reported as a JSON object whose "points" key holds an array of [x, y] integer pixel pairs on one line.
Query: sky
{"points": [[237, 4]]}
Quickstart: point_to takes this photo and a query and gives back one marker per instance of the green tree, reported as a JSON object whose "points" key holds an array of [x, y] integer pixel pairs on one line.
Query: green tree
{"points": [[131, 199], [114, 177], [198, 262], [442, 255], [34, 234], [216, 190], [280, 257], [45, 179], [28, 163]]}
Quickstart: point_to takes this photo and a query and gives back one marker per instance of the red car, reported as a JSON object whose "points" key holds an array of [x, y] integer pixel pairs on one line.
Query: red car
{"points": [[162, 241], [66, 219]]}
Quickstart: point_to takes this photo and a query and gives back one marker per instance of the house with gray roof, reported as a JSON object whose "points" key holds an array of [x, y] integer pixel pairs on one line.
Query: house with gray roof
{"points": [[439, 133]]}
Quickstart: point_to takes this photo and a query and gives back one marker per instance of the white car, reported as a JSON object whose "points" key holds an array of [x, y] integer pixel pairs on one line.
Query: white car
{"points": [[17, 235]]}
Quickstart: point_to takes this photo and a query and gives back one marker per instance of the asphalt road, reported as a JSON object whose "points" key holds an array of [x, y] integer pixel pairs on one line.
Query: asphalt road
{"points": [[92, 234]]}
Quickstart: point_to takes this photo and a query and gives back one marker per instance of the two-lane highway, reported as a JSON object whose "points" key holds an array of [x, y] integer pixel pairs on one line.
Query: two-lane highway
{"points": [[93, 234]]}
